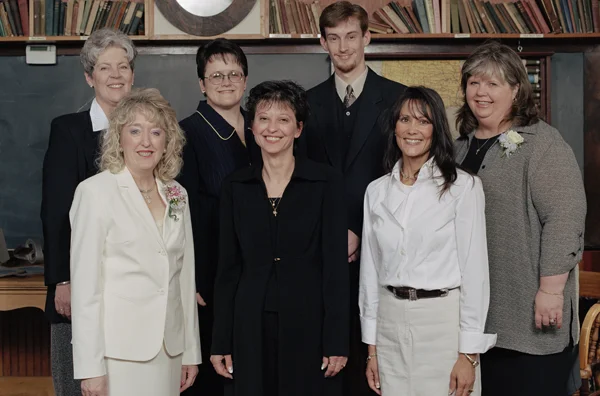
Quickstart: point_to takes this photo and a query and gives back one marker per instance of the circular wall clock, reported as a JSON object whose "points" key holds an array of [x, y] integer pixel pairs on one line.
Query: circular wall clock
{"points": [[205, 17]]}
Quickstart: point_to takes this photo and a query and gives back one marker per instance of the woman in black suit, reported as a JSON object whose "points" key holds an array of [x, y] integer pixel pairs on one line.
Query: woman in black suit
{"points": [[108, 58], [281, 293], [218, 142]]}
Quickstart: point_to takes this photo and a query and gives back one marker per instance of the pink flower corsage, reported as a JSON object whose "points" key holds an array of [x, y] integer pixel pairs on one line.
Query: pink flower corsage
{"points": [[176, 199]]}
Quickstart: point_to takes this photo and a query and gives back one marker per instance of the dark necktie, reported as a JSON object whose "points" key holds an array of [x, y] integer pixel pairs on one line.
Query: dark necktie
{"points": [[349, 98]]}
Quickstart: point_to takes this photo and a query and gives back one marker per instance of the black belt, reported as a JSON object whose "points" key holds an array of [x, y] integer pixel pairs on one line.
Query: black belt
{"points": [[409, 293]]}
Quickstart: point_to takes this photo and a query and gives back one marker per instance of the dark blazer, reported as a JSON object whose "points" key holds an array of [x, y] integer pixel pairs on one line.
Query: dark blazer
{"points": [[322, 138], [306, 245], [207, 160], [70, 159]]}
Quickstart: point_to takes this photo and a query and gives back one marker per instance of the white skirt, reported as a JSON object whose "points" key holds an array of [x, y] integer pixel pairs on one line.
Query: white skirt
{"points": [[160, 376], [417, 345]]}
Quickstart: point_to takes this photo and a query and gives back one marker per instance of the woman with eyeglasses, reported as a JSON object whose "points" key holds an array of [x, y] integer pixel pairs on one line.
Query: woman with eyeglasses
{"points": [[218, 143]]}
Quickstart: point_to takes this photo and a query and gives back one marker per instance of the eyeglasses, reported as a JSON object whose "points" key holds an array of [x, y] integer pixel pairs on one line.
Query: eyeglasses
{"points": [[218, 77]]}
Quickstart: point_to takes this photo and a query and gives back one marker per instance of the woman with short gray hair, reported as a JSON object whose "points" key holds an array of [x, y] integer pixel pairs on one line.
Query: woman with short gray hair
{"points": [[107, 57]]}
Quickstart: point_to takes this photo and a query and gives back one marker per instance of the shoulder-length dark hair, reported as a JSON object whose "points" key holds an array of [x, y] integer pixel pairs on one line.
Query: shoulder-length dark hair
{"points": [[430, 104], [501, 61]]}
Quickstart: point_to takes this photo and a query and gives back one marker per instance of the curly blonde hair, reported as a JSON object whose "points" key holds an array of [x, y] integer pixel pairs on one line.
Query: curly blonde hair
{"points": [[157, 110]]}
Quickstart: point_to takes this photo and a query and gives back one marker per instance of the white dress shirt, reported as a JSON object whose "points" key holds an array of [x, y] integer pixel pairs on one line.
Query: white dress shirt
{"points": [[412, 237], [99, 119], [357, 85]]}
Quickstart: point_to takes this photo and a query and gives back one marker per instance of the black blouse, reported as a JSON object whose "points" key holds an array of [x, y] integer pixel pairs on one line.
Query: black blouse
{"points": [[476, 153], [209, 156]]}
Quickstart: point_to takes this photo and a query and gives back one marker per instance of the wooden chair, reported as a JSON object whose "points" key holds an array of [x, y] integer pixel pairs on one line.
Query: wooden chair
{"points": [[589, 344]]}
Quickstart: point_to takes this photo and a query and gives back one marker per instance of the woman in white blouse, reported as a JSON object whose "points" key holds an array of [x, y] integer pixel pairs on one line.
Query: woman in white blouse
{"points": [[424, 287]]}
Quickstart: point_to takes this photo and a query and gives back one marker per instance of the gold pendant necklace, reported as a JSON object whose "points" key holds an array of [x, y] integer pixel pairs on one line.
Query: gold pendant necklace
{"points": [[213, 128], [146, 195], [482, 146], [275, 204]]}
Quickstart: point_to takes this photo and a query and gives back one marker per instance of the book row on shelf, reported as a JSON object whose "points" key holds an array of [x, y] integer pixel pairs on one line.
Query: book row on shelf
{"points": [[14, 18], [291, 17], [534, 72], [528, 17], [69, 17], [491, 17]]}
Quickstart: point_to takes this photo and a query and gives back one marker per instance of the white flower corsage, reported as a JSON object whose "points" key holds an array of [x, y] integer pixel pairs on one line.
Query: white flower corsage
{"points": [[510, 141], [176, 199]]}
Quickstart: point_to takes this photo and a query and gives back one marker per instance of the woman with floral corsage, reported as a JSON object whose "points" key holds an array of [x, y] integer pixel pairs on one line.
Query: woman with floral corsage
{"points": [[135, 324], [535, 213]]}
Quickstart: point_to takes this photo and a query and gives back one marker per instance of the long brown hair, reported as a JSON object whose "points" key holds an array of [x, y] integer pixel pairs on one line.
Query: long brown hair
{"points": [[429, 103]]}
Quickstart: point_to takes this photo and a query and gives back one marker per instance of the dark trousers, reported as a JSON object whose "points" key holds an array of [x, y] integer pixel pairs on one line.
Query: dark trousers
{"points": [[355, 380], [61, 361], [270, 353], [208, 382], [507, 372]]}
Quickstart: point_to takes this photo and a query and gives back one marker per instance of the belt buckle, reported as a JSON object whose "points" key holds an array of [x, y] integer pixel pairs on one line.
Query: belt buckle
{"points": [[444, 292], [412, 294]]}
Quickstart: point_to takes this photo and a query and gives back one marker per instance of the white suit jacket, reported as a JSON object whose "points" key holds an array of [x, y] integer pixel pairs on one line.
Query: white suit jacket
{"points": [[131, 288]]}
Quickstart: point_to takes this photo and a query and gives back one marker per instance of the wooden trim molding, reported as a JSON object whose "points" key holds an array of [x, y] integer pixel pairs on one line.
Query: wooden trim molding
{"points": [[24, 292]]}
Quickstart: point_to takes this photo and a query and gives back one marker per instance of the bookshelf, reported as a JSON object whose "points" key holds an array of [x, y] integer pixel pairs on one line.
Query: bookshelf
{"points": [[455, 18], [126, 14], [259, 25]]}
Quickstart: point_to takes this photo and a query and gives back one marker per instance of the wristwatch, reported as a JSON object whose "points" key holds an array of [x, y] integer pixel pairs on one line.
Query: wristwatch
{"points": [[474, 362]]}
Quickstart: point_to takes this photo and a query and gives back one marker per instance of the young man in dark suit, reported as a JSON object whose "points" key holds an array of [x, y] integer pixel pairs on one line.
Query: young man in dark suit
{"points": [[345, 130]]}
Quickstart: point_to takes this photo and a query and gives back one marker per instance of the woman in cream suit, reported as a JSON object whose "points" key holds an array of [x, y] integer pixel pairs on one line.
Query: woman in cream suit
{"points": [[135, 324]]}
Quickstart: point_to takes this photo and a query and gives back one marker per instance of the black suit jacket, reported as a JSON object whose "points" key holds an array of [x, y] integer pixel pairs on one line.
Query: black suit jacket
{"points": [[306, 246], [70, 159], [322, 137]]}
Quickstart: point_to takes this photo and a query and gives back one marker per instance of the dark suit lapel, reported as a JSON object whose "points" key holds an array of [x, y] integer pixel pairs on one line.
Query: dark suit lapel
{"points": [[366, 117], [328, 124], [91, 141]]}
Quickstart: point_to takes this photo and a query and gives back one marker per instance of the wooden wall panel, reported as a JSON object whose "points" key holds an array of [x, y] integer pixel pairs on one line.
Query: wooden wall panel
{"points": [[24, 343]]}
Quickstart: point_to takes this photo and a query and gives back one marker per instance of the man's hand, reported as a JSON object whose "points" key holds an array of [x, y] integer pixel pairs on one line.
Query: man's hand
{"points": [[200, 300], [62, 300], [353, 246]]}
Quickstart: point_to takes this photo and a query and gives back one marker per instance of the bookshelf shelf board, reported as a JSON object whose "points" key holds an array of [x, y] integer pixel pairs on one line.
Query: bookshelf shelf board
{"points": [[381, 37], [50, 39], [282, 38]]}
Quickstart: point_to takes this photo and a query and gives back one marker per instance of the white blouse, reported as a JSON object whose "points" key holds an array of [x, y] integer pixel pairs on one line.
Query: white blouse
{"points": [[412, 237]]}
